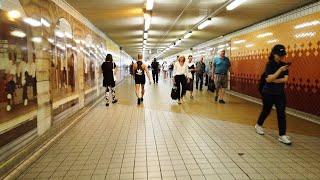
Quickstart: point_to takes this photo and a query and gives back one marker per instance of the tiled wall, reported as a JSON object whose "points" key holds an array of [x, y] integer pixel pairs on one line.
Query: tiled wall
{"points": [[302, 39]]}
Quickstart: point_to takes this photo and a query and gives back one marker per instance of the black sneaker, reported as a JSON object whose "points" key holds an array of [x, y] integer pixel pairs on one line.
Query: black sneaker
{"points": [[138, 101], [114, 101], [222, 101], [141, 99], [107, 104], [216, 98]]}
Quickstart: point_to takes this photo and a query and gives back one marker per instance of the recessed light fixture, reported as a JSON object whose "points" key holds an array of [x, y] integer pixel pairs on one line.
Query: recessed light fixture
{"points": [[147, 21], [204, 24], [307, 24], [14, 14], [265, 35], [145, 35], [239, 41], [249, 45], [235, 4], [18, 33], [149, 5], [32, 22], [144, 41], [272, 41], [187, 35]]}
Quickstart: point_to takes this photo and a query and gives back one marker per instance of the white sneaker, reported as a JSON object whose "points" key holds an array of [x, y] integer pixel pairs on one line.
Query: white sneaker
{"points": [[259, 129], [25, 103], [285, 139]]}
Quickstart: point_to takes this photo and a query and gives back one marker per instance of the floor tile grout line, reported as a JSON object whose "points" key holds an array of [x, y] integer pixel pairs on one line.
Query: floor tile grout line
{"points": [[221, 148]]}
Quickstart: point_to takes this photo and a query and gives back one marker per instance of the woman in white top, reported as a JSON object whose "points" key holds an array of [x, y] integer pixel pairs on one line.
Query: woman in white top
{"points": [[180, 72]]}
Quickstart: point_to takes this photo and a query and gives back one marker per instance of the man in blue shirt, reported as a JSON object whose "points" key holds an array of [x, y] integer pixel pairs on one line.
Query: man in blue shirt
{"points": [[221, 65]]}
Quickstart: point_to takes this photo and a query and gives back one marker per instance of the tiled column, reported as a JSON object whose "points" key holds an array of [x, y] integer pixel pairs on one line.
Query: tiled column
{"points": [[43, 89], [80, 78], [97, 76]]}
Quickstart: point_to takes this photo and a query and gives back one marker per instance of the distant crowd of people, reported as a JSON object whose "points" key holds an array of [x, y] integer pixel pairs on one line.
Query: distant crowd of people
{"points": [[183, 74]]}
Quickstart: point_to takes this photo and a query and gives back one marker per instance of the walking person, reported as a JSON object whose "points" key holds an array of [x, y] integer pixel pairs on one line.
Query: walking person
{"points": [[180, 72], [273, 93], [208, 73], [155, 70], [170, 70], [191, 72], [108, 67], [200, 70], [140, 69], [221, 66], [165, 70]]}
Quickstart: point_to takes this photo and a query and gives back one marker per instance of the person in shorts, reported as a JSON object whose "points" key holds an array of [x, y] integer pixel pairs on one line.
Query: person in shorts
{"points": [[221, 66], [139, 69], [108, 78]]}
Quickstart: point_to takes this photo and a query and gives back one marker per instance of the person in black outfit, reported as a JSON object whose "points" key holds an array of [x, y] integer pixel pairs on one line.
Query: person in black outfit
{"points": [[200, 70], [108, 78], [273, 93], [140, 79], [155, 70]]}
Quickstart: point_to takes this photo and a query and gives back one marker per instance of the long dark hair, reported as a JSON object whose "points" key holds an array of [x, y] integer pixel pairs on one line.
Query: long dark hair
{"points": [[109, 57]]}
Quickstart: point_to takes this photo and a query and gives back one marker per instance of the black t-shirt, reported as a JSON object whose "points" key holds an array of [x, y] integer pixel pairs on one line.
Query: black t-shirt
{"points": [[155, 65], [274, 88], [107, 69]]}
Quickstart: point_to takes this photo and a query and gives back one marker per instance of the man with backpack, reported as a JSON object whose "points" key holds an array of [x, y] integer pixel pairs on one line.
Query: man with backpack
{"points": [[200, 70]]}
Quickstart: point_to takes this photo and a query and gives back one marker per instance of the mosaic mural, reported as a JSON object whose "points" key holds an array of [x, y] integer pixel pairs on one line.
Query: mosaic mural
{"points": [[302, 39]]}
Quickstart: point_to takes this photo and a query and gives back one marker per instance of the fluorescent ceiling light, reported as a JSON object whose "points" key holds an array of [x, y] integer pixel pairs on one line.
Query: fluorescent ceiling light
{"points": [[239, 41], [147, 21], [187, 35], [36, 39], [77, 41], [305, 35], [144, 41], [45, 22], [18, 33], [178, 42], [32, 22], [14, 14], [265, 35], [307, 24], [235, 4], [249, 45], [145, 35], [69, 46], [272, 41], [204, 24], [149, 5]]}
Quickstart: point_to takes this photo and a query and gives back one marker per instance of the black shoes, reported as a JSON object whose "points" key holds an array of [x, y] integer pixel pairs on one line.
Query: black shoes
{"points": [[222, 101], [139, 101], [114, 101], [216, 98], [107, 104]]}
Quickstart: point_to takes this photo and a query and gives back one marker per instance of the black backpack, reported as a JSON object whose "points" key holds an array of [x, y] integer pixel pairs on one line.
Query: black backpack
{"points": [[262, 82]]}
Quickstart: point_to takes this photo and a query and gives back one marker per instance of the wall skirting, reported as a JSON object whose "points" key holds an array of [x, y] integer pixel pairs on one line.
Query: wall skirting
{"points": [[293, 112]]}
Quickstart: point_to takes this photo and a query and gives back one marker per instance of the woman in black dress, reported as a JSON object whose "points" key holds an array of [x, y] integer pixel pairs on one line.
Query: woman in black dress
{"points": [[108, 78]]}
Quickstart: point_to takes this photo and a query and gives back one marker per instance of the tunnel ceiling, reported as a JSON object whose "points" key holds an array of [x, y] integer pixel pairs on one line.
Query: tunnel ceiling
{"points": [[123, 20]]}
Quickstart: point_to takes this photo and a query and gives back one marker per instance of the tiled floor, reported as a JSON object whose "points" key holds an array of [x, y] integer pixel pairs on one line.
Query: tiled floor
{"points": [[129, 142]]}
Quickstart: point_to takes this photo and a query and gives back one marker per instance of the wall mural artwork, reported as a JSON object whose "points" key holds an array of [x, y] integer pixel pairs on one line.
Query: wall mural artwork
{"points": [[18, 79], [62, 61], [302, 39]]}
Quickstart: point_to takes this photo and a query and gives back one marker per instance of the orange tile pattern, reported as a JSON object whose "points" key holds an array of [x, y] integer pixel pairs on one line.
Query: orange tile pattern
{"points": [[302, 39]]}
